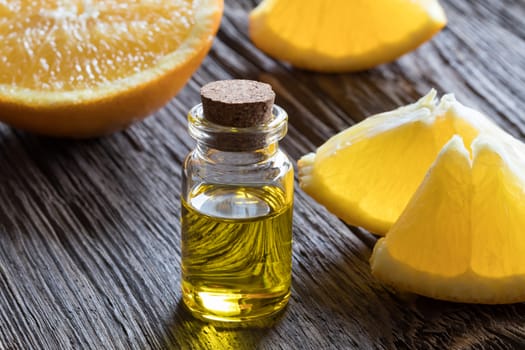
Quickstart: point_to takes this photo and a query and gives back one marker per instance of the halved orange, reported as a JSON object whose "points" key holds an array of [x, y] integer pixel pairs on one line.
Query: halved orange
{"points": [[84, 68]]}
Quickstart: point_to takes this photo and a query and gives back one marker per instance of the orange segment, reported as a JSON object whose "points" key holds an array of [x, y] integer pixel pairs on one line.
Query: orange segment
{"points": [[460, 237], [367, 174], [343, 35], [81, 68], [498, 209], [440, 203]]}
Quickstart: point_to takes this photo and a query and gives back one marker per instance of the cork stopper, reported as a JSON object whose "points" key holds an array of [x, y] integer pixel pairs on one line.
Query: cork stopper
{"points": [[237, 103]]}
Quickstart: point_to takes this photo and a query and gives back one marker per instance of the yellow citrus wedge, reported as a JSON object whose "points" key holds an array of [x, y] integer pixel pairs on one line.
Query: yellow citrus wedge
{"points": [[343, 35], [461, 236], [83, 67], [366, 174]]}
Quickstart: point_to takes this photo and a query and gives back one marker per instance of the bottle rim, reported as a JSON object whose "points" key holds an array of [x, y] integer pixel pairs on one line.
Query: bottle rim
{"points": [[212, 134]]}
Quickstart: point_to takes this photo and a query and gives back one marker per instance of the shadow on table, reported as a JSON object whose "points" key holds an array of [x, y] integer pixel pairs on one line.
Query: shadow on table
{"points": [[22, 154], [66, 174], [187, 332], [459, 323], [37, 169], [344, 292]]}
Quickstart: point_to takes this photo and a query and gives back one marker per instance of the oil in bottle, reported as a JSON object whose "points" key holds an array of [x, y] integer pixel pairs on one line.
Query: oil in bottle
{"points": [[236, 249]]}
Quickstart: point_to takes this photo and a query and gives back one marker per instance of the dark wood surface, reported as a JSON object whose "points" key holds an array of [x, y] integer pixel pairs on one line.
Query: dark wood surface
{"points": [[89, 230]]}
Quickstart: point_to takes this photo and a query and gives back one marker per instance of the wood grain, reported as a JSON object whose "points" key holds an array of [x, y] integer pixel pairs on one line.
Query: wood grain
{"points": [[89, 230]]}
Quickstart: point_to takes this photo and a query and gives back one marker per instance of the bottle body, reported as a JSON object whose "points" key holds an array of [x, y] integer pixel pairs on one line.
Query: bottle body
{"points": [[236, 232]]}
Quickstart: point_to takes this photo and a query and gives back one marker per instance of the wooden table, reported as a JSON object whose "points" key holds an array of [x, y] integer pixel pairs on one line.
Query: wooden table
{"points": [[89, 230]]}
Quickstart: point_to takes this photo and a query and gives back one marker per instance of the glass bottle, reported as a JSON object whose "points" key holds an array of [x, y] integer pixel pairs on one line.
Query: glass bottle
{"points": [[236, 216]]}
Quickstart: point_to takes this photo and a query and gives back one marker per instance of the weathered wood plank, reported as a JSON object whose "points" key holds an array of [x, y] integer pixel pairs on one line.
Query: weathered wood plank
{"points": [[89, 231]]}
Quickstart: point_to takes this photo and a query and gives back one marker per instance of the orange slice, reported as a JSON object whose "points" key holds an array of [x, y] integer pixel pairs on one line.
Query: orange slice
{"points": [[367, 174], [84, 68], [343, 35], [460, 237]]}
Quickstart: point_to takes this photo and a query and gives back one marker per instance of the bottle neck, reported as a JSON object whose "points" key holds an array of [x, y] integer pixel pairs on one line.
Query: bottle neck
{"points": [[238, 157], [231, 145]]}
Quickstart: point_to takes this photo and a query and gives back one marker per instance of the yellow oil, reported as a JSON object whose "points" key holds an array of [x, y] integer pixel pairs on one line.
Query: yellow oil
{"points": [[236, 252]]}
